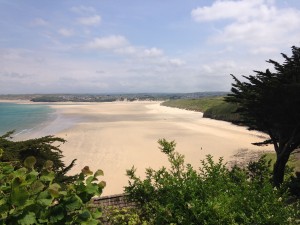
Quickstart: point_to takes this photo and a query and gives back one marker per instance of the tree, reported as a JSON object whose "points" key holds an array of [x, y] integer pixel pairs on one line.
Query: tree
{"points": [[212, 194], [270, 102], [43, 149]]}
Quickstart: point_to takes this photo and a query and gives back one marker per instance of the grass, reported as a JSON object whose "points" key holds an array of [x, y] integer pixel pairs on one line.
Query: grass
{"points": [[199, 105], [212, 107], [293, 162], [217, 108]]}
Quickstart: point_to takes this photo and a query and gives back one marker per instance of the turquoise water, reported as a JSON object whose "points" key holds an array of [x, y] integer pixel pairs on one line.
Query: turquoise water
{"points": [[23, 118]]}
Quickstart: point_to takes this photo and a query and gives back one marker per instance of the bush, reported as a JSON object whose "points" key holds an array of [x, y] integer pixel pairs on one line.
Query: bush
{"points": [[43, 149], [123, 216], [29, 196], [212, 195], [223, 111]]}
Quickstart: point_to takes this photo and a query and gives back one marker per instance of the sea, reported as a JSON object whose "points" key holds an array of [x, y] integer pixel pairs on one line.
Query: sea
{"points": [[24, 119]]}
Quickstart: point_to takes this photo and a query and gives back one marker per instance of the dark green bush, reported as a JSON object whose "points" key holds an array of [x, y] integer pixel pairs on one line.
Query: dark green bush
{"points": [[223, 111], [212, 195], [43, 149]]}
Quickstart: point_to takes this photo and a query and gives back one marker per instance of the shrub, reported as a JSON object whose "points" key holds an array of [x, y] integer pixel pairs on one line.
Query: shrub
{"points": [[123, 216], [212, 195], [43, 149], [29, 196]]}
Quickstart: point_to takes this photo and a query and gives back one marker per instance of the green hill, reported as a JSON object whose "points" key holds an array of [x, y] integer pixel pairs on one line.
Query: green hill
{"points": [[212, 107]]}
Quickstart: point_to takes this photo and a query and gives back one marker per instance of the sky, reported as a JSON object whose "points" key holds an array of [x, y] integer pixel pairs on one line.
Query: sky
{"points": [[133, 46]]}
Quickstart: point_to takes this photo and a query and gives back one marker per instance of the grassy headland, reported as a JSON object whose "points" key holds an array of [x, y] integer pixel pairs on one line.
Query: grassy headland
{"points": [[217, 108], [212, 107], [294, 160]]}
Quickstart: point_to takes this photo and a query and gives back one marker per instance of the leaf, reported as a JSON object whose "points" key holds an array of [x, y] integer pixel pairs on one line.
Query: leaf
{"points": [[90, 179], [19, 196], [92, 188], [57, 214], [98, 173], [54, 190], [43, 221], [45, 201], [73, 203], [28, 219], [37, 186], [64, 193], [48, 177], [91, 222], [86, 171], [102, 184], [43, 194], [85, 215], [20, 172], [32, 176], [2, 201], [48, 165], [97, 214], [16, 182], [30, 162], [29, 202]]}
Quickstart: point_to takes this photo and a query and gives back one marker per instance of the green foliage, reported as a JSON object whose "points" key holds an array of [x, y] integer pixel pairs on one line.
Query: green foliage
{"points": [[270, 102], [199, 105], [223, 111], [212, 195], [123, 216], [293, 162], [29, 196], [43, 149], [212, 107]]}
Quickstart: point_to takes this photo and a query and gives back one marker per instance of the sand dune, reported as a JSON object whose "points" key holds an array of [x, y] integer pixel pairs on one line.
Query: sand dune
{"points": [[115, 136]]}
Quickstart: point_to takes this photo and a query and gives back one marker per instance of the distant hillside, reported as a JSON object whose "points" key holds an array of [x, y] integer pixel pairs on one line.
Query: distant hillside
{"points": [[212, 107], [109, 97]]}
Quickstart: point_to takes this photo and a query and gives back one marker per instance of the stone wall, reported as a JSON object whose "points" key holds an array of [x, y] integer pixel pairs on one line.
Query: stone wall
{"points": [[119, 201]]}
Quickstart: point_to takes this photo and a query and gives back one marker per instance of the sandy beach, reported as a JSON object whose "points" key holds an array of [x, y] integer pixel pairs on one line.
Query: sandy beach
{"points": [[116, 136]]}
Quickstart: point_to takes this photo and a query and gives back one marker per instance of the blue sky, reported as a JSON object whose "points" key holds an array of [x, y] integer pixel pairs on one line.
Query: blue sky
{"points": [[101, 46]]}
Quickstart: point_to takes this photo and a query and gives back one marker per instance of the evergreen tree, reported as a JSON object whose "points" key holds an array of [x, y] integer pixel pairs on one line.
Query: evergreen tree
{"points": [[270, 102], [43, 149]]}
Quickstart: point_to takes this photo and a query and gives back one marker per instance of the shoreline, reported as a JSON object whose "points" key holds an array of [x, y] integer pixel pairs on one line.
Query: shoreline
{"points": [[118, 135], [114, 136]]}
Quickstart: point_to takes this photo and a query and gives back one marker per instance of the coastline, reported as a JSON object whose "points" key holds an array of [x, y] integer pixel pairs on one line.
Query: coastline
{"points": [[16, 101], [114, 136], [118, 135]]}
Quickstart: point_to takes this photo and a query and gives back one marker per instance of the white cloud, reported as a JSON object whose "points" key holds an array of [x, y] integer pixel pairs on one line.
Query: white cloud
{"points": [[127, 50], [176, 62], [264, 50], [11, 54], [90, 21], [152, 52], [278, 29], [120, 45], [39, 22], [226, 66], [65, 32], [241, 10], [109, 42], [255, 23]]}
